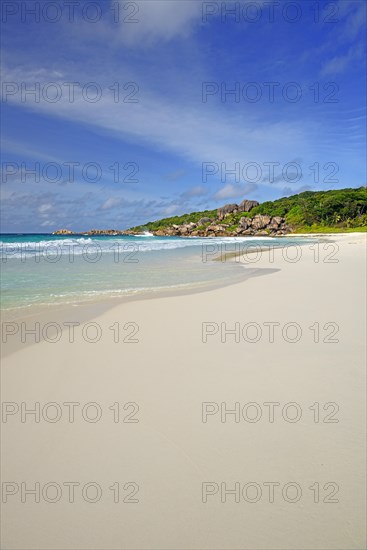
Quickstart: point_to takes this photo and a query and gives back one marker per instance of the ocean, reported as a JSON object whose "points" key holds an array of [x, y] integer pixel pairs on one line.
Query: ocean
{"points": [[46, 270]]}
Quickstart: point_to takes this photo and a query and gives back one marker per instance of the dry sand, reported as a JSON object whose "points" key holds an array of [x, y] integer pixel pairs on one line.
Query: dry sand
{"points": [[163, 460]]}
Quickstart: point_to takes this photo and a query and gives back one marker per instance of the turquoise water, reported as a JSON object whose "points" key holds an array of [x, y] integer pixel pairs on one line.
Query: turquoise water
{"points": [[39, 270]]}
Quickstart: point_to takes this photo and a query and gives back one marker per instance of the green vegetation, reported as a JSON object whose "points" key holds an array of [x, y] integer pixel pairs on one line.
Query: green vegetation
{"points": [[202, 227], [308, 212], [177, 220], [341, 208]]}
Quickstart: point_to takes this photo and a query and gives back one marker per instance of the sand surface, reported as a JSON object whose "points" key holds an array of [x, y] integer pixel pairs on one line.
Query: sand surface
{"points": [[186, 483]]}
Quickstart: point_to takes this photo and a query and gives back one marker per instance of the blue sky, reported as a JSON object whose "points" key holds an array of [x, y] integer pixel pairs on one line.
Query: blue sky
{"points": [[157, 111]]}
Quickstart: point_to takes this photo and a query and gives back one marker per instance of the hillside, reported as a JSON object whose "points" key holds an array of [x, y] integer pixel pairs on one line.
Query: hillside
{"points": [[310, 211]]}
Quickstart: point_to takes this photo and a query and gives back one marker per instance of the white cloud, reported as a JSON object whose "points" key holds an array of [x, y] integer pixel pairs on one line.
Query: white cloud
{"points": [[44, 208], [20, 149], [170, 210], [340, 63], [195, 133], [351, 16], [112, 202], [231, 191], [157, 20], [353, 13], [197, 191]]}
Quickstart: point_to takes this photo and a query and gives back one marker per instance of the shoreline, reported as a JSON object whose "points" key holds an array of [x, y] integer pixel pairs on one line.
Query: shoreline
{"points": [[154, 290], [86, 311], [38, 309], [25, 311]]}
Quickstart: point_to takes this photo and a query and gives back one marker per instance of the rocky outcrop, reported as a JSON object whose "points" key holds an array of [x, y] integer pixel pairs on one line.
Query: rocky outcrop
{"points": [[260, 221], [275, 223], [262, 225], [226, 209], [63, 232], [203, 221], [258, 225], [246, 206]]}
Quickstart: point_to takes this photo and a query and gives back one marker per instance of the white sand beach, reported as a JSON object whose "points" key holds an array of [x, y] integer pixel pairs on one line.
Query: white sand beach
{"points": [[294, 477]]}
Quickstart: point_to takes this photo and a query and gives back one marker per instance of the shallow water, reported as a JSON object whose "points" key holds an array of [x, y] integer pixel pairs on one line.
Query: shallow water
{"points": [[42, 270]]}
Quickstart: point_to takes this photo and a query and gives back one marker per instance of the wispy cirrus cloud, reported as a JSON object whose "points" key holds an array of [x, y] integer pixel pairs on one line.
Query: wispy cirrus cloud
{"points": [[196, 191], [231, 191], [353, 15], [189, 130], [145, 23], [339, 63], [350, 30]]}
